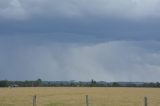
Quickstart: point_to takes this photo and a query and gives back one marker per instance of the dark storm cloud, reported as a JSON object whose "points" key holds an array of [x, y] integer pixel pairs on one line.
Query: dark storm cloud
{"points": [[91, 19], [132, 9], [102, 30], [113, 40]]}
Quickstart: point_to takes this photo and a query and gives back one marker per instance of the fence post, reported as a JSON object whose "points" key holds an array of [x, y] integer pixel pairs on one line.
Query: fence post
{"points": [[34, 100], [87, 100], [145, 101]]}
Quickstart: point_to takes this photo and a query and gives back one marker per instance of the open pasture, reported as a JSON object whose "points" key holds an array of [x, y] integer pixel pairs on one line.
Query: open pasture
{"points": [[68, 96]]}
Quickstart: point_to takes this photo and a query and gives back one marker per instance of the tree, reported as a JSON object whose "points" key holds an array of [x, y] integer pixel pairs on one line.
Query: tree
{"points": [[115, 84], [157, 84], [93, 83], [38, 82], [4, 83]]}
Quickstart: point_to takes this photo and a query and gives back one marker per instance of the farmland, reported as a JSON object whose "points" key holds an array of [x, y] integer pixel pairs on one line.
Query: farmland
{"points": [[70, 96]]}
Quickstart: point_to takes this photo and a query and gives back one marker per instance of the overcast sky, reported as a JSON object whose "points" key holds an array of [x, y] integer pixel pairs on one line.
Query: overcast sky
{"points": [[105, 40]]}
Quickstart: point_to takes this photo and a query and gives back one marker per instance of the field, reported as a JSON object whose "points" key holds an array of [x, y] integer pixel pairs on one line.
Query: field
{"points": [[76, 96]]}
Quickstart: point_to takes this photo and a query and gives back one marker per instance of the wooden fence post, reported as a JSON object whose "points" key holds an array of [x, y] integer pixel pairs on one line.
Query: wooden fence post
{"points": [[34, 100], [145, 101], [87, 100]]}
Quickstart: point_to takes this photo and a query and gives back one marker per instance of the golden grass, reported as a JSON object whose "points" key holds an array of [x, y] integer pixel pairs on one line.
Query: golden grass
{"points": [[62, 96]]}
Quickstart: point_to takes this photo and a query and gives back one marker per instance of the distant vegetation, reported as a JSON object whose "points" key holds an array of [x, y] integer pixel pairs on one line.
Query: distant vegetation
{"points": [[92, 83]]}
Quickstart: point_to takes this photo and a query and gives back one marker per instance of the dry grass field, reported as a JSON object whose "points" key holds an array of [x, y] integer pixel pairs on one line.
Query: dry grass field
{"points": [[76, 96]]}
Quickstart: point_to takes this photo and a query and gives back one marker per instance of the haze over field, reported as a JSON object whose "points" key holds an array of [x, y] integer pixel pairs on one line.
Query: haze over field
{"points": [[110, 40]]}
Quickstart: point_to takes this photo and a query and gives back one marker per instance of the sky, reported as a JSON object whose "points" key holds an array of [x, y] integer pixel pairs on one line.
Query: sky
{"points": [[104, 40]]}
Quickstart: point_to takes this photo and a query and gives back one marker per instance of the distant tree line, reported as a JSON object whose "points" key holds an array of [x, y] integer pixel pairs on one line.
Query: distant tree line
{"points": [[92, 83], [6, 83]]}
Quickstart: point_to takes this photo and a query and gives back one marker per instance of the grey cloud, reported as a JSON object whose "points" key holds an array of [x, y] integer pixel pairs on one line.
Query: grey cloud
{"points": [[12, 9], [128, 9], [80, 40]]}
